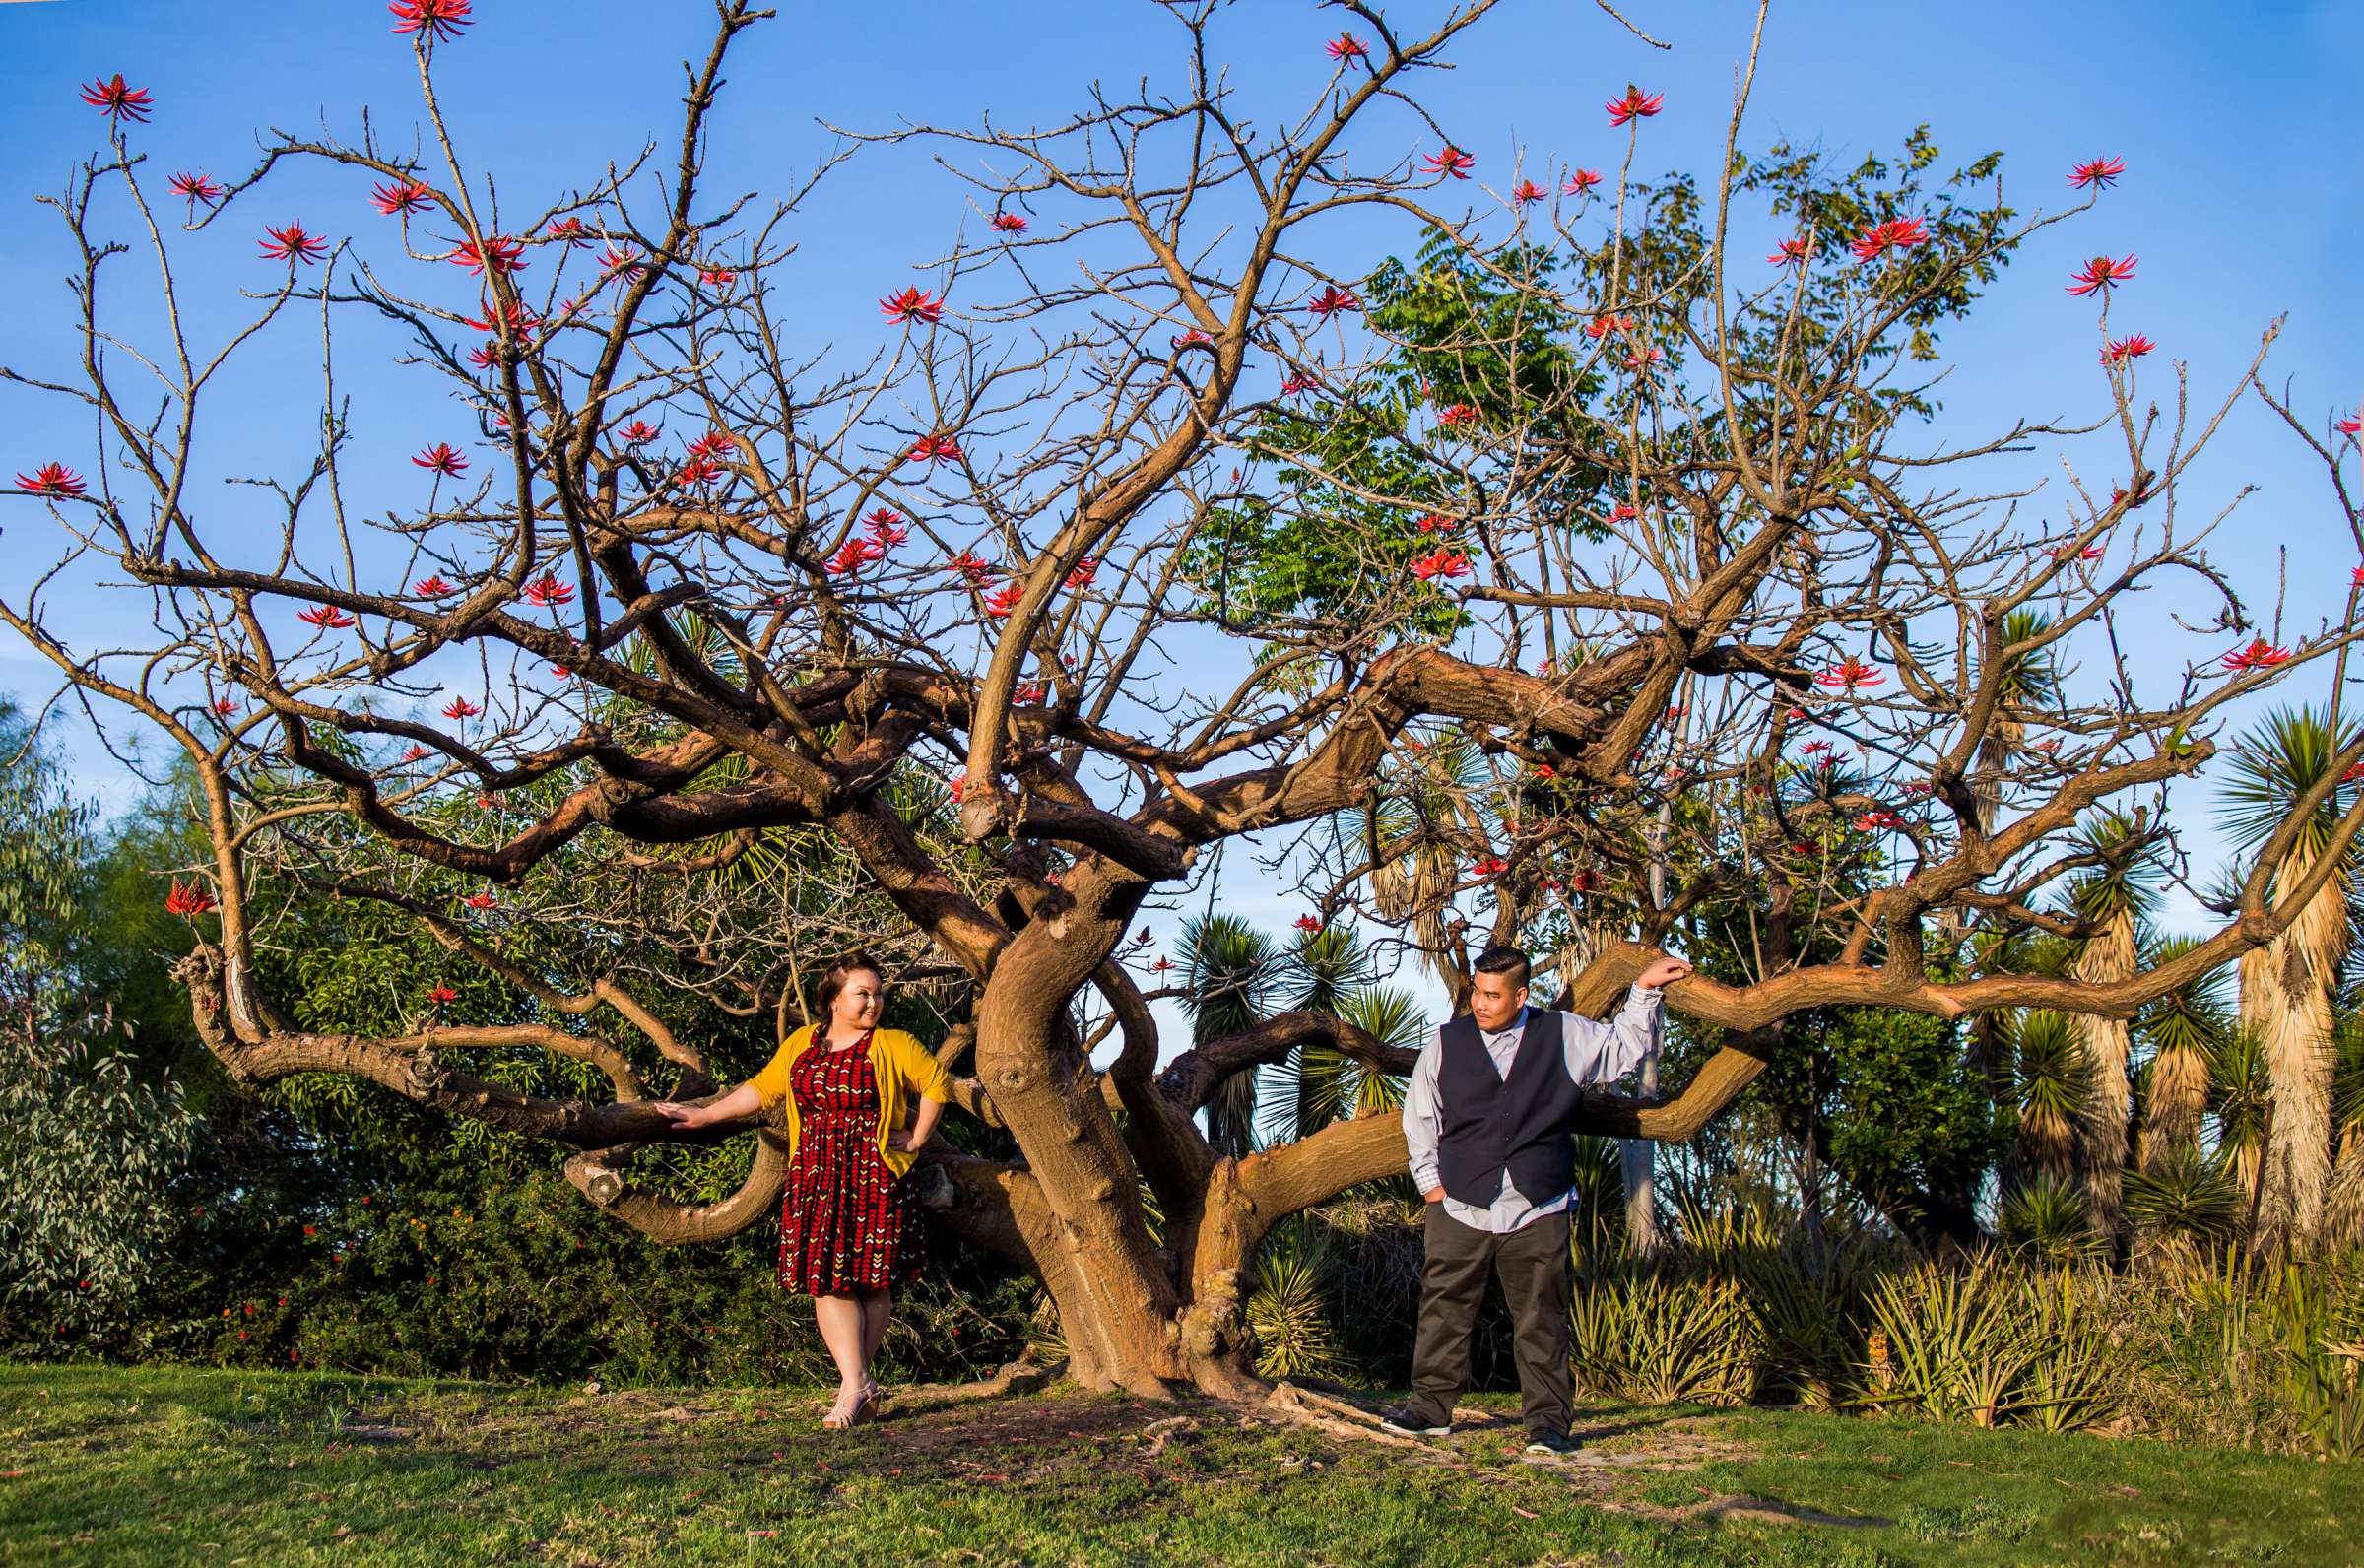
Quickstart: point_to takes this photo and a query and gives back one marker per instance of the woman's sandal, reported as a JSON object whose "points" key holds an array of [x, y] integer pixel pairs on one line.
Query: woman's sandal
{"points": [[865, 1411]]}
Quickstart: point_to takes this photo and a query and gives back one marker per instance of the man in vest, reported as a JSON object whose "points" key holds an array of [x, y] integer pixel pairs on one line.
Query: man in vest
{"points": [[1486, 1118]]}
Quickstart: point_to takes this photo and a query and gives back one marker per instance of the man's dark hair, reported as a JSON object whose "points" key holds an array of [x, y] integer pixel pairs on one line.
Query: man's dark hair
{"points": [[1504, 961]]}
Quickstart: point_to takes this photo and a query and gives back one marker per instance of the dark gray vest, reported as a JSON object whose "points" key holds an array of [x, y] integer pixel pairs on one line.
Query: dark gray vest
{"points": [[1493, 1127]]}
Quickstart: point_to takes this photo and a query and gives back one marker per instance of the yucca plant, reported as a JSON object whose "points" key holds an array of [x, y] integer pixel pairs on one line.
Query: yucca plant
{"points": [[1662, 1335], [2179, 1030], [2287, 985], [2187, 1194], [1948, 1344], [2049, 1092], [2343, 1202], [2049, 1218], [2240, 1089], [1289, 1310], [1231, 969], [2118, 895]]}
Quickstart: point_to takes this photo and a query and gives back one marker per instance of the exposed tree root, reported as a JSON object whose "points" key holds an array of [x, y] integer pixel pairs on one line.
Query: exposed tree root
{"points": [[1021, 1376]]}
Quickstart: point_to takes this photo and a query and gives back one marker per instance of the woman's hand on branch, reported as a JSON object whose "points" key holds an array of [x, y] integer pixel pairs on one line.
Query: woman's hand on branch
{"points": [[741, 1101]]}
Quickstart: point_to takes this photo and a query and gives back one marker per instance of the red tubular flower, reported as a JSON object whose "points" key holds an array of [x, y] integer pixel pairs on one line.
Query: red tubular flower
{"points": [[622, 261], [2103, 273], [1004, 599], [1346, 47], [225, 708], [1193, 338], [1623, 512], [403, 196], [440, 995], [637, 431], [293, 244], [1162, 966], [714, 443], [1894, 234], [1641, 358], [698, 473], [1580, 184], [1455, 414], [1309, 923], [432, 588], [414, 753], [2125, 348], [912, 306], [2259, 655], [514, 315], [1441, 562], [1791, 253], [116, 101], [484, 355], [1635, 105], [196, 188], [1030, 692], [717, 277], [1080, 576], [1008, 223], [1815, 747], [2349, 426], [1850, 674], [461, 709], [443, 20], [569, 231], [969, 566], [499, 254], [2356, 578], [2070, 552], [886, 528], [1330, 301], [1488, 866], [1602, 326], [1435, 523], [51, 479], [483, 900], [1526, 191], [2101, 172], [1300, 381], [936, 449], [545, 591], [957, 789], [1452, 160], [186, 899], [443, 459], [1879, 817], [325, 616], [851, 556]]}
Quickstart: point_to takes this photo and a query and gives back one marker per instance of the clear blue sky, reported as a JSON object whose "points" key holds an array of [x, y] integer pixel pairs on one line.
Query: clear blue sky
{"points": [[2238, 125]]}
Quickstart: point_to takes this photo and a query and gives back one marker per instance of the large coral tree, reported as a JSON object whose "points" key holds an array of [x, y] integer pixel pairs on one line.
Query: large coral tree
{"points": [[1593, 569]]}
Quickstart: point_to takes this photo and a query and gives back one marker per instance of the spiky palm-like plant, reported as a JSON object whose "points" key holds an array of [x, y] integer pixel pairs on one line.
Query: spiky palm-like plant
{"points": [[2286, 986], [2240, 1089], [2182, 1192], [1231, 968], [2343, 1201], [2050, 1089], [2180, 1029], [2050, 1218], [2118, 895]]}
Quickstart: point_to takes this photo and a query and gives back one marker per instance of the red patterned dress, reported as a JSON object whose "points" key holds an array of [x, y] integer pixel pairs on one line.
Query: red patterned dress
{"points": [[847, 1224]]}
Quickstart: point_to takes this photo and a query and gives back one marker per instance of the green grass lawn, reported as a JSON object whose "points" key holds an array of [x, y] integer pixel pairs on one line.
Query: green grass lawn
{"points": [[169, 1465]]}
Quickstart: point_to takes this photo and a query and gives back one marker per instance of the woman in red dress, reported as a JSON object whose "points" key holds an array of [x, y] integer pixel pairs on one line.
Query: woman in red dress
{"points": [[849, 1230]]}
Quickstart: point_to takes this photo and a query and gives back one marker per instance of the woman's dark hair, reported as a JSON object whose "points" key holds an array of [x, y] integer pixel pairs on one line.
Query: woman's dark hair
{"points": [[1506, 961], [845, 968]]}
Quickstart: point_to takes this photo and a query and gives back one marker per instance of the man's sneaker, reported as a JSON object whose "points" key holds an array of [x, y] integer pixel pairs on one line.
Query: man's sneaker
{"points": [[1559, 1445], [1410, 1424]]}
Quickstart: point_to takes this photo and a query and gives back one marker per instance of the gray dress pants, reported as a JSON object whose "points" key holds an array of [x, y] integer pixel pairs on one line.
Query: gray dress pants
{"points": [[1537, 1277]]}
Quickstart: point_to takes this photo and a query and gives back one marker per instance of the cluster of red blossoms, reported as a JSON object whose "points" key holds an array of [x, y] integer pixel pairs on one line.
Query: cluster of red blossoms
{"points": [[1330, 301], [1635, 105], [441, 19], [546, 592], [291, 243], [912, 306], [1893, 233], [2259, 655], [854, 555], [1442, 561], [51, 479], [1452, 160], [325, 616], [1850, 674], [116, 101], [187, 899], [444, 459]]}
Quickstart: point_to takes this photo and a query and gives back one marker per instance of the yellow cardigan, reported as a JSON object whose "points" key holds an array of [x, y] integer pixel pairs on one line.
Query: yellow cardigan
{"points": [[902, 1065]]}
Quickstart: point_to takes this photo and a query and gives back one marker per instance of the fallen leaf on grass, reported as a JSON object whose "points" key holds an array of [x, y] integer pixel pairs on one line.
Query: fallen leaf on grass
{"points": [[1522, 1513]]}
